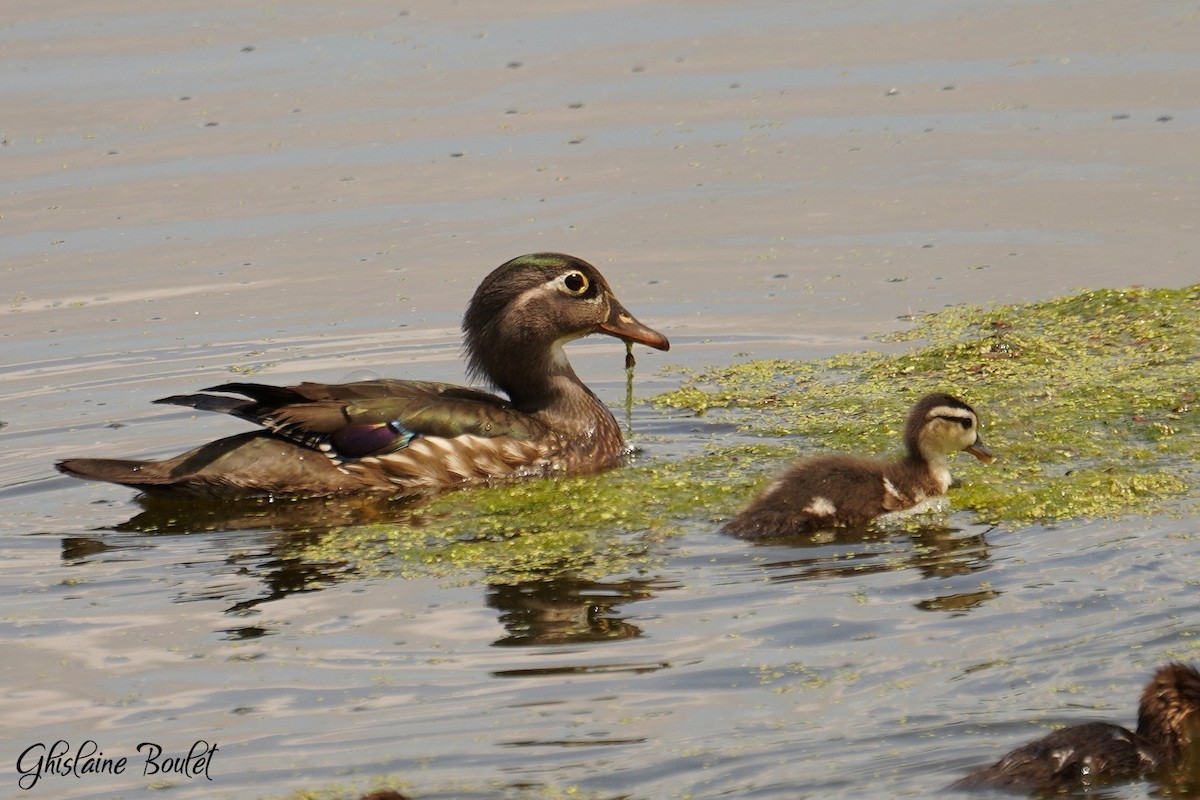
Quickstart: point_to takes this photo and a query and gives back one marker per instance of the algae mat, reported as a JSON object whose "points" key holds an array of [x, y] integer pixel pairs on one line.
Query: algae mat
{"points": [[1089, 401]]}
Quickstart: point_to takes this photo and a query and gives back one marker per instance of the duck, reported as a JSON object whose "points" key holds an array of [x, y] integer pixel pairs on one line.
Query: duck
{"points": [[1101, 752], [413, 437], [847, 491]]}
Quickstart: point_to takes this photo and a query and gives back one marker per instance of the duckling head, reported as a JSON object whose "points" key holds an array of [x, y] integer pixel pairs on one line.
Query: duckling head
{"points": [[1169, 711], [525, 311], [940, 424]]}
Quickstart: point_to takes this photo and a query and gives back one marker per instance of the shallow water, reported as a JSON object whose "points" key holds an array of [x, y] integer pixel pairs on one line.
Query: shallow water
{"points": [[202, 191]]}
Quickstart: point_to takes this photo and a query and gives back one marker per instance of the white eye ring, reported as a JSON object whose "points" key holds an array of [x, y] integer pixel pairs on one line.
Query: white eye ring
{"points": [[575, 283]]}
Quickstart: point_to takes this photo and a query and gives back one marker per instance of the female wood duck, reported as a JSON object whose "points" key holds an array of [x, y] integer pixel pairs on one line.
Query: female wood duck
{"points": [[1100, 752], [849, 491], [412, 437]]}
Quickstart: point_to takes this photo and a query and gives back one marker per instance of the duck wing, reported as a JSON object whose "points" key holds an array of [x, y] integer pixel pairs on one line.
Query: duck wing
{"points": [[367, 419], [406, 437]]}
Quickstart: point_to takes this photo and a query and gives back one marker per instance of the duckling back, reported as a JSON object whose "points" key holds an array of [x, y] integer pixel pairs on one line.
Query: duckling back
{"points": [[1100, 752], [1092, 753], [833, 492]]}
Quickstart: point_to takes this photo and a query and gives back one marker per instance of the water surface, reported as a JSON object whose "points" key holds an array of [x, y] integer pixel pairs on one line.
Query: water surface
{"points": [[197, 192]]}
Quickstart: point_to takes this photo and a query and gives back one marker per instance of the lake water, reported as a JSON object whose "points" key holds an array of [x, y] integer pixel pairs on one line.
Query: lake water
{"points": [[197, 191]]}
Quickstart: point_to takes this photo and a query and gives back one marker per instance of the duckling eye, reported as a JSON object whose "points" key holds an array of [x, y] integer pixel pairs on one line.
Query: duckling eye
{"points": [[576, 282], [966, 423]]}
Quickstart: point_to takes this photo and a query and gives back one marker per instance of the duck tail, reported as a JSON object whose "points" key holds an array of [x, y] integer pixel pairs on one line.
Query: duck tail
{"points": [[209, 402], [139, 474]]}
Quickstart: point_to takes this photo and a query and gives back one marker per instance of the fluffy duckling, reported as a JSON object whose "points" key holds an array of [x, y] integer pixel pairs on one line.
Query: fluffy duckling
{"points": [[411, 437], [849, 491], [1100, 752]]}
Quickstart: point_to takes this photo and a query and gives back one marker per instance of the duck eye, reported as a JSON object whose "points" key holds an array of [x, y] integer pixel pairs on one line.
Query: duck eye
{"points": [[966, 423], [576, 282]]}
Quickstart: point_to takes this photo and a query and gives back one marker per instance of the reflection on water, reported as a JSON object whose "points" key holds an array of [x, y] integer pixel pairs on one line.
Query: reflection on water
{"points": [[186, 515], [933, 552], [808, 661], [276, 569], [581, 669], [296, 211], [554, 607], [82, 549], [562, 609], [558, 608]]}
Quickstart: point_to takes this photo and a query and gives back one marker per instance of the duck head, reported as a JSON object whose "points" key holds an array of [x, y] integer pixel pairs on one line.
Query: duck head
{"points": [[941, 424], [1169, 711], [526, 310]]}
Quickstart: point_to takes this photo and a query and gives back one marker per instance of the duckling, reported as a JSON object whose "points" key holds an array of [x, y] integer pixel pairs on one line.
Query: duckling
{"points": [[412, 437], [1100, 752], [849, 491]]}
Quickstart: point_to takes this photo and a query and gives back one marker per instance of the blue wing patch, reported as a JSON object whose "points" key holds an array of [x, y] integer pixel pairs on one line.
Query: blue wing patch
{"points": [[362, 439]]}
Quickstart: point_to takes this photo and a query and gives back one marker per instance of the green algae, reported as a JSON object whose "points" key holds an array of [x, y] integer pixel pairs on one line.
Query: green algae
{"points": [[1089, 400], [588, 527]]}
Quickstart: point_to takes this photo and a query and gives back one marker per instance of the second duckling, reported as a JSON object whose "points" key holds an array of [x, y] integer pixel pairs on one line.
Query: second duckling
{"points": [[1101, 752], [850, 491]]}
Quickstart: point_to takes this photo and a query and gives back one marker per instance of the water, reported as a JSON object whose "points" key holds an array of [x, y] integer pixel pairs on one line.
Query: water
{"points": [[749, 185], [886, 666]]}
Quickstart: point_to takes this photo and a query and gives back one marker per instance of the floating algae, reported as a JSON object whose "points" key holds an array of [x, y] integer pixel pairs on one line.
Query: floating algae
{"points": [[589, 527], [1088, 400]]}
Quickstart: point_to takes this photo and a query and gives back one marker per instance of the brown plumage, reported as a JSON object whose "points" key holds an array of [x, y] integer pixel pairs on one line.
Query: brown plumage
{"points": [[410, 437], [1100, 752], [850, 491]]}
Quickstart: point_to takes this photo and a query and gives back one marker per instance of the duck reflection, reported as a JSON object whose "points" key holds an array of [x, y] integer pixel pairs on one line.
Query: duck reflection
{"points": [[308, 545], [81, 549], [159, 515], [268, 569], [278, 562], [565, 609], [934, 552]]}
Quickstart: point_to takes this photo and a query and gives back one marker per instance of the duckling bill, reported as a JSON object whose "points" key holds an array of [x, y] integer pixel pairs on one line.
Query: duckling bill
{"points": [[1101, 752], [850, 491], [412, 437]]}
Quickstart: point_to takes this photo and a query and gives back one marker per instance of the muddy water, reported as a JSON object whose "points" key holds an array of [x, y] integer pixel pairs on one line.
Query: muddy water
{"points": [[201, 191]]}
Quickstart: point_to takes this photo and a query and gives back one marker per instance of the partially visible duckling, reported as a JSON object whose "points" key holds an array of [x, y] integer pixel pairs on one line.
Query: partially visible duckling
{"points": [[849, 491], [1100, 752]]}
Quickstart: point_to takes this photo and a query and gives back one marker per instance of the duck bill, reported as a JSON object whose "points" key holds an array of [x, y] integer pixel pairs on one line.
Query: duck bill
{"points": [[981, 451], [621, 323]]}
